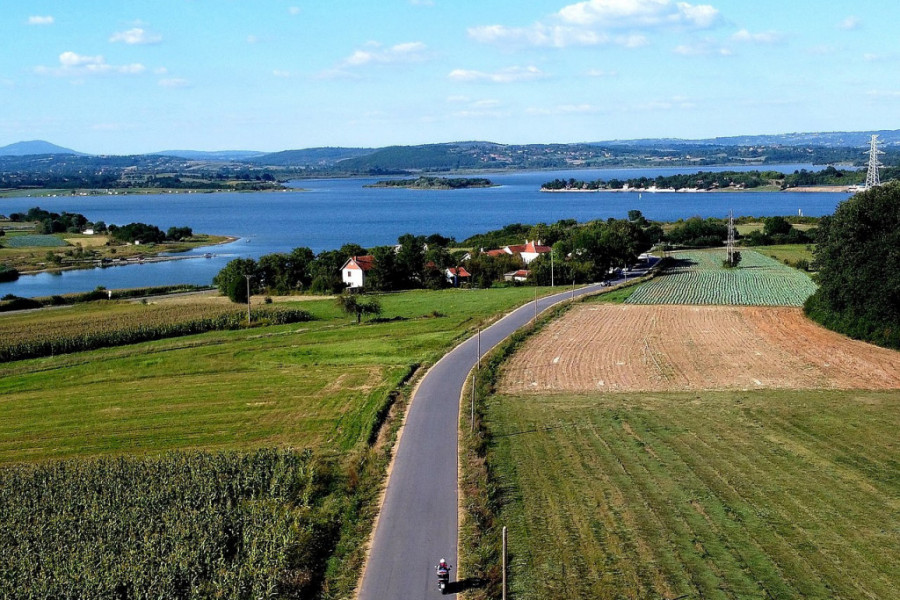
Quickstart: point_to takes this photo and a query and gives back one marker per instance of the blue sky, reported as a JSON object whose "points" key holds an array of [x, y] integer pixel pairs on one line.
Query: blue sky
{"points": [[119, 77]]}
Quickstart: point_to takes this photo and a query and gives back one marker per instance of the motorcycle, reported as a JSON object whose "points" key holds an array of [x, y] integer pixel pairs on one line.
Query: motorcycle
{"points": [[443, 575]]}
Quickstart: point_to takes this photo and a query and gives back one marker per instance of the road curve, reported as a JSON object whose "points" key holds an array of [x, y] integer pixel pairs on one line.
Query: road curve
{"points": [[418, 522]]}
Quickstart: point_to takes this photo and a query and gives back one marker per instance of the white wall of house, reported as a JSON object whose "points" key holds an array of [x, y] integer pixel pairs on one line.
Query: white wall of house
{"points": [[353, 276]]}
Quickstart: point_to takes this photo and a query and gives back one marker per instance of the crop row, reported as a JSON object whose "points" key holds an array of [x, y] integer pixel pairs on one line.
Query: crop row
{"points": [[186, 525], [697, 277], [118, 328]]}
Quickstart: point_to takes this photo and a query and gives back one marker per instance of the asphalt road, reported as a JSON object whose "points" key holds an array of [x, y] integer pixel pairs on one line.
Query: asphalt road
{"points": [[418, 523]]}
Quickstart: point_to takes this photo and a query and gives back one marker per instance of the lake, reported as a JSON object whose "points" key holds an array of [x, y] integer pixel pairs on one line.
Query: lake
{"points": [[327, 213]]}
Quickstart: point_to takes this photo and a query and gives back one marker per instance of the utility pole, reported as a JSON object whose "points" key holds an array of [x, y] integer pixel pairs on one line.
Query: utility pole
{"points": [[551, 268], [248, 277], [504, 562]]}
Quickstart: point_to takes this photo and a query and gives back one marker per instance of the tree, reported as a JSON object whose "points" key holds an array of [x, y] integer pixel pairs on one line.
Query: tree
{"points": [[385, 275], [858, 254], [776, 226], [179, 233], [232, 281], [359, 305]]}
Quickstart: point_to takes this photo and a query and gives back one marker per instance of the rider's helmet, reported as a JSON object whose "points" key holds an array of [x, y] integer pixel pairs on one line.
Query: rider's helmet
{"points": [[443, 562]]}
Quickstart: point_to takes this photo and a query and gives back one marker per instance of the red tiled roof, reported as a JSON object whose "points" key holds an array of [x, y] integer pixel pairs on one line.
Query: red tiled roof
{"points": [[461, 272], [534, 248], [497, 252], [363, 262]]}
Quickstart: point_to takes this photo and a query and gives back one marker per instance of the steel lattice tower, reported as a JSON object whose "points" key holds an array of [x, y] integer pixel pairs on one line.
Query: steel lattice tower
{"points": [[729, 248], [872, 177]]}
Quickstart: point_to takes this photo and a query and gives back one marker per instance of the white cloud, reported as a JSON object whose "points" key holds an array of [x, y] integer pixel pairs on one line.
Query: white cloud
{"points": [[850, 23], [508, 75], [72, 64], [639, 14], [38, 20], [872, 57], [602, 73], [767, 37], [422, 2], [600, 22], [280, 73], [294, 10], [565, 109], [702, 48], [252, 39], [173, 82], [375, 53], [136, 36], [883, 93]]}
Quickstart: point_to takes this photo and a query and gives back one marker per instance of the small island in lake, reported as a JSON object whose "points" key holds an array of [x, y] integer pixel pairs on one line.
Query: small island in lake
{"points": [[435, 183]]}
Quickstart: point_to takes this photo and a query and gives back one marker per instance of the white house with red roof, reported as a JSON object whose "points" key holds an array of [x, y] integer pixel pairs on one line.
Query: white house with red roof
{"points": [[520, 275], [353, 273], [528, 251], [457, 275]]}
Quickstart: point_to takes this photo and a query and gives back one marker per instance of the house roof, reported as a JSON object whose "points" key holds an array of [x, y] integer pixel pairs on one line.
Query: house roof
{"points": [[460, 272], [360, 262], [529, 247], [535, 247], [519, 273]]}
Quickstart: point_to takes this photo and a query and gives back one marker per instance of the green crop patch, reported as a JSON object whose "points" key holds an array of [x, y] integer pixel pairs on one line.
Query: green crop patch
{"points": [[764, 494], [698, 277]]}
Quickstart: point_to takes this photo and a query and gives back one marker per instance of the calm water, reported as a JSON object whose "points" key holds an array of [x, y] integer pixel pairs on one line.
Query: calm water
{"points": [[331, 212]]}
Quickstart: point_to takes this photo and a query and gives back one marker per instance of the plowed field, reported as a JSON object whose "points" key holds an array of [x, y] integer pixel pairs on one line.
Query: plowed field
{"points": [[619, 348]]}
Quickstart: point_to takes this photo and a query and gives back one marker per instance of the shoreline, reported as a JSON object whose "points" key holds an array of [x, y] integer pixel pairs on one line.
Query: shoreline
{"points": [[845, 189], [133, 260]]}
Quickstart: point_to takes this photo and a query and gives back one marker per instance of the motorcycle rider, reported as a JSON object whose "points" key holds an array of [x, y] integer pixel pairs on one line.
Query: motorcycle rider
{"points": [[442, 567]]}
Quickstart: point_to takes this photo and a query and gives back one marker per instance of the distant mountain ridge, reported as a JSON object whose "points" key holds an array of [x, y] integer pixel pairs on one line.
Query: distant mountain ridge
{"points": [[833, 139], [223, 155], [35, 147]]}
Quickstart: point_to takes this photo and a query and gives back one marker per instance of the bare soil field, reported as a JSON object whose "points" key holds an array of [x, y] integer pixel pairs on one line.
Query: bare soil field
{"points": [[622, 348]]}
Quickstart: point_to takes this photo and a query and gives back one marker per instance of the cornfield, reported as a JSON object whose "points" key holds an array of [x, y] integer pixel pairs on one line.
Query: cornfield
{"points": [[697, 277], [186, 525], [127, 325]]}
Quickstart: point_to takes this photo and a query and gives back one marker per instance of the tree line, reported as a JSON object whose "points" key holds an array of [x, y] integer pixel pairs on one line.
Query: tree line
{"points": [[581, 253], [708, 180]]}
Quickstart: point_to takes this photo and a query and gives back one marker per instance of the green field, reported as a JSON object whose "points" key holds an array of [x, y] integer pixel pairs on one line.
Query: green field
{"points": [[765, 494], [162, 491], [316, 384], [33, 241], [698, 277], [792, 253]]}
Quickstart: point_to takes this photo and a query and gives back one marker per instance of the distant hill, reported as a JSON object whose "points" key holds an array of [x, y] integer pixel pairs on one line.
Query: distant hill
{"points": [[309, 157], [437, 157], [222, 155], [834, 139], [35, 147]]}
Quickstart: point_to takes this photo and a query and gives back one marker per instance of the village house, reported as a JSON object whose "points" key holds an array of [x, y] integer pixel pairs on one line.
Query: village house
{"points": [[520, 275], [457, 275], [528, 251], [353, 273]]}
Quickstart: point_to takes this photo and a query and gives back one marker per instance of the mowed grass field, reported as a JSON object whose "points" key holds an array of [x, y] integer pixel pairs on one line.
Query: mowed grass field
{"points": [[317, 384], [762, 494]]}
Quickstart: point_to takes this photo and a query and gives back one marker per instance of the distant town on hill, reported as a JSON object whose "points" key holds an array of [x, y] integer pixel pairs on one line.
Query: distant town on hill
{"points": [[40, 164]]}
